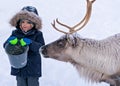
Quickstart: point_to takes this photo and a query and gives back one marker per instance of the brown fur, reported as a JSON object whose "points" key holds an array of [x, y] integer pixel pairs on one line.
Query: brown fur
{"points": [[26, 15]]}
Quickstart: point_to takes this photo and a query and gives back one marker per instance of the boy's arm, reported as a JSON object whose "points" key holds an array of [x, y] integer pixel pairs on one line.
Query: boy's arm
{"points": [[35, 45]]}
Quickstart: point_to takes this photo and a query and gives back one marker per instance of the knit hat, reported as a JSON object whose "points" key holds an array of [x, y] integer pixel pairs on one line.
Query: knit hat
{"points": [[30, 9], [29, 13]]}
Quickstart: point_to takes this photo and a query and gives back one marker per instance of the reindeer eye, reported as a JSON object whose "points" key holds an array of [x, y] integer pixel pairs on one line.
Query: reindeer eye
{"points": [[61, 44]]}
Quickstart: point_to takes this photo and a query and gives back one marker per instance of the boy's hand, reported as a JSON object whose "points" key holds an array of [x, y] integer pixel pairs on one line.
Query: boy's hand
{"points": [[25, 41], [13, 40]]}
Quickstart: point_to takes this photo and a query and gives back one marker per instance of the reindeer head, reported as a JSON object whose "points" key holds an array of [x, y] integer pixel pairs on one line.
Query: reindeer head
{"points": [[63, 48]]}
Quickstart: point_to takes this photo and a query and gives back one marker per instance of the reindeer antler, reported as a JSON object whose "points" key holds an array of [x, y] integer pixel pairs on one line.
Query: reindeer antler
{"points": [[79, 25]]}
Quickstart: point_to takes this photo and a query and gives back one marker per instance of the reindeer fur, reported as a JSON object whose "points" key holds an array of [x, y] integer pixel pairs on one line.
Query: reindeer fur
{"points": [[95, 60]]}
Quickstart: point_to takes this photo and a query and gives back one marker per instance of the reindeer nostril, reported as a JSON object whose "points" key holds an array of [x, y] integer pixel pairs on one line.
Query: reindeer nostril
{"points": [[43, 50]]}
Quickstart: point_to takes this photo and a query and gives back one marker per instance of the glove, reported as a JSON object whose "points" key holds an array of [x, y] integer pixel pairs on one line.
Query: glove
{"points": [[25, 41], [13, 40]]}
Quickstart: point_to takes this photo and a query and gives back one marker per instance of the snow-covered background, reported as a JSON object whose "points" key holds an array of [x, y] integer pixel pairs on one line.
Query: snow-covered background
{"points": [[105, 21]]}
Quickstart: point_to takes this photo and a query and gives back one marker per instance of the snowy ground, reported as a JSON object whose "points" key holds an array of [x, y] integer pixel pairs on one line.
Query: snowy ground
{"points": [[104, 22]]}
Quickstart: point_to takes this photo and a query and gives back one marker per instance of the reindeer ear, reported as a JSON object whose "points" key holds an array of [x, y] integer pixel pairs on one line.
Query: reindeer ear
{"points": [[72, 39], [74, 42]]}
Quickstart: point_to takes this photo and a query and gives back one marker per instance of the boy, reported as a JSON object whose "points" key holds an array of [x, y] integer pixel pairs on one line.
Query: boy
{"points": [[28, 24]]}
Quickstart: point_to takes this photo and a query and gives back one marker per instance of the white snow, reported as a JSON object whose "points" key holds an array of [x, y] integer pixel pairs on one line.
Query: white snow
{"points": [[104, 22]]}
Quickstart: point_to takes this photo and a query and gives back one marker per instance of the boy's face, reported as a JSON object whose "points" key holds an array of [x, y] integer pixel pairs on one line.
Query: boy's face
{"points": [[26, 25]]}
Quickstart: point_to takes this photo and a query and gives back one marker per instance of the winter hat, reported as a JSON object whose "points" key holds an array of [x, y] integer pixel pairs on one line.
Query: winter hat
{"points": [[29, 13], [30, 9]]}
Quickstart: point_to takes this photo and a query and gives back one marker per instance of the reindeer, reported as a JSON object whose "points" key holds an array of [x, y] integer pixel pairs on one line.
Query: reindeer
{"points": [[95, 60]]}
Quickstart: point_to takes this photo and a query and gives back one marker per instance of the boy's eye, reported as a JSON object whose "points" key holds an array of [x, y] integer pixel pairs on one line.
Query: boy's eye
{"points": [[29, 22], [22, 22]]}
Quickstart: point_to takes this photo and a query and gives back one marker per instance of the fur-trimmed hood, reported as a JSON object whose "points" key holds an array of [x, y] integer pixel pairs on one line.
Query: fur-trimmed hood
{"points": [[23, 14]]}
